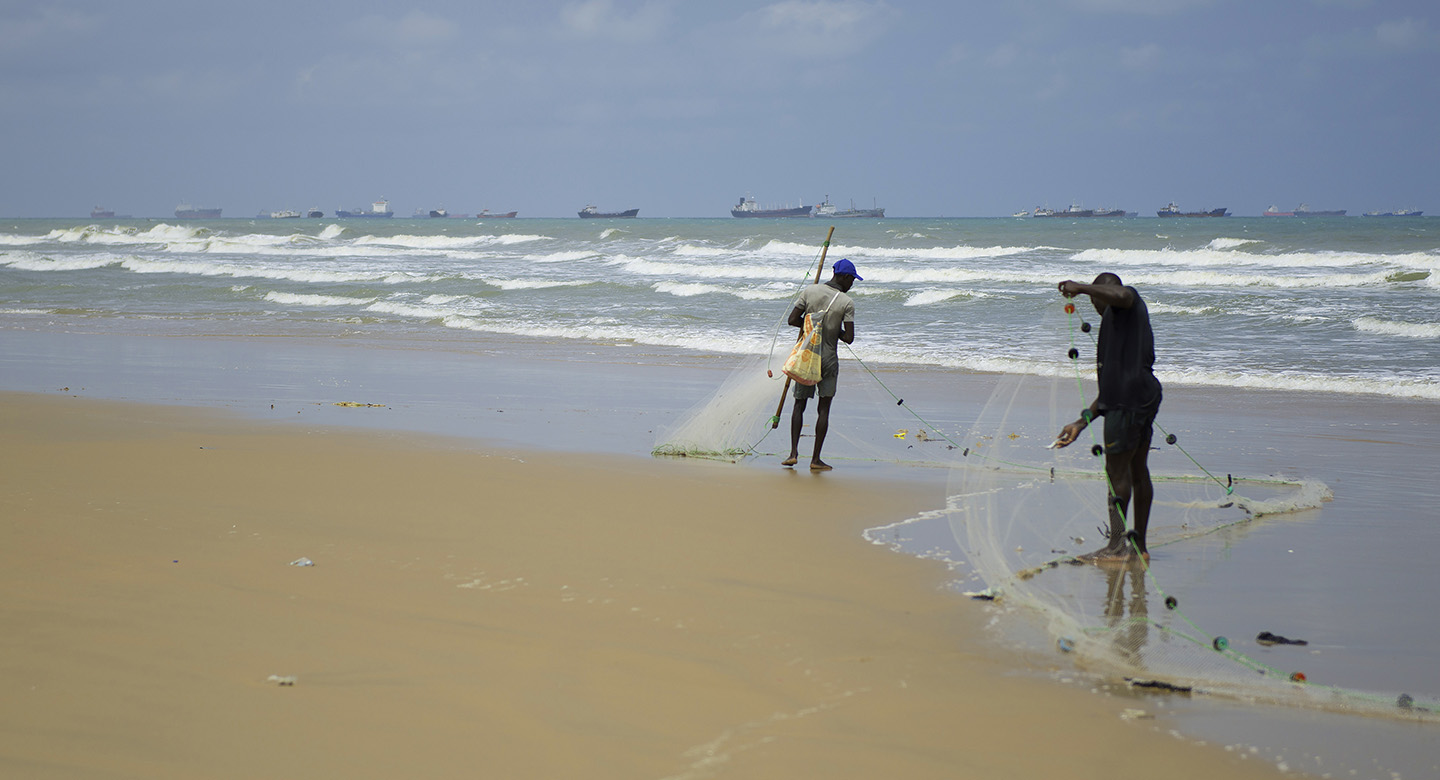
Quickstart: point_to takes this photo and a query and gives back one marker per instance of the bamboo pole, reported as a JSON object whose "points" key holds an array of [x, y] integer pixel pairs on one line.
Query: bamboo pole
{"points": [[784, 391]]}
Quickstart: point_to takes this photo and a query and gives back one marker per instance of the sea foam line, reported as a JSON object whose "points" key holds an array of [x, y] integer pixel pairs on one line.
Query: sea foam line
{"points": [[1414, 330]]}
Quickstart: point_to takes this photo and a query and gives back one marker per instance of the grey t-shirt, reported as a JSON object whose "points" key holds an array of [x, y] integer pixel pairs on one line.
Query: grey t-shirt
{"points": [[839, 309]]}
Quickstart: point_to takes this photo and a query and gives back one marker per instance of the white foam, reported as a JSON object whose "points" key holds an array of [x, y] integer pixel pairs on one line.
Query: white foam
{"points": [[837, 251], [1165, 308], [1413, 330], [30, 261], [306, 299], [1231, 243], [928, 297], [691, 289], [534, 284], [562, 257], [446, 242]]}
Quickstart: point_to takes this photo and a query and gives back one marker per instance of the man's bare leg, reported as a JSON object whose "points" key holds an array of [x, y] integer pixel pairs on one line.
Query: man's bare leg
{"points": [[1118, 549], [797, 423], [822, 427]]}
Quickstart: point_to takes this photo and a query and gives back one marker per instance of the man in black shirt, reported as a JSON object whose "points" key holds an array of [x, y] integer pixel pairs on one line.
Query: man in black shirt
{"points": [[1128, 398]]}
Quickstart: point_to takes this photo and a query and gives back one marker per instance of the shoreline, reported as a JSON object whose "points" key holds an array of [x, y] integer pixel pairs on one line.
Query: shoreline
{"points": [[510, 396], [508, 627]]}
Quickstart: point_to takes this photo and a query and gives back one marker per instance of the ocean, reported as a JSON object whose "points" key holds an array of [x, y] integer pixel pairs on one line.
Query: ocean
{"points": [[1336, 305], [1327, 330]]}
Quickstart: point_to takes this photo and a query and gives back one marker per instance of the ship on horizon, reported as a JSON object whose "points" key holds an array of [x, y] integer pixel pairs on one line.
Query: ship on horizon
{"points": [[1076, 211], [1303, 210], [747, 207], [590, 212], [378, 209], [487, 214], [187, 211], [1174, 211], [827, 209], [1398, 213]]}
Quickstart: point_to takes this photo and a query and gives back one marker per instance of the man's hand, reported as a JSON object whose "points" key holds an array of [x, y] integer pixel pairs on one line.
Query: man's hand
{"points": [[1069, 433]]}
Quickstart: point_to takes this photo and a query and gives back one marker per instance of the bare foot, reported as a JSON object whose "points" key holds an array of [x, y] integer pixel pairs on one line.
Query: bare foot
{"points": [[1112, 555], [790, 461], [816, 465]]}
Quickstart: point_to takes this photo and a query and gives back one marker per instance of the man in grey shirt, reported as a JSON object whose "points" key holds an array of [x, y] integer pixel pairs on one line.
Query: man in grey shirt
{"points": [[836, 313]]}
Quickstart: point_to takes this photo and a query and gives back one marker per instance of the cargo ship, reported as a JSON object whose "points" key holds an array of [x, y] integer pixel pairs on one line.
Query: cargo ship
{"points": [[1303, 210], [747, 207], [1076, 211], [486, 214], [1174, 211], [380, 208], [590, 212], [314, 213], [827, 209], [1400, 213], [187, 211], [100, 212]]}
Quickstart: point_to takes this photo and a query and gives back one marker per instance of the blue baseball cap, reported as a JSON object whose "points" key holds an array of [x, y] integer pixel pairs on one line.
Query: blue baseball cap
{"points": [[846, 267]]}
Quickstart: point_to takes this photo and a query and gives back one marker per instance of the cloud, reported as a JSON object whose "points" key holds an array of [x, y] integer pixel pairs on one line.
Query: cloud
{"points": [[46, 28], [600, 19], [1144, 58], [1141, 7], [817, 28], [1402, 35], [415, 30]]}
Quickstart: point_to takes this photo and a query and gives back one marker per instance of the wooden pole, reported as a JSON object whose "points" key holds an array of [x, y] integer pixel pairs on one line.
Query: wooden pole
{"points": [[784, 391]]}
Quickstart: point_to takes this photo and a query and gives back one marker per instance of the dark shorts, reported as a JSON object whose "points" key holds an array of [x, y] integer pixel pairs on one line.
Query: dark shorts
{"points": [[1129, 429], [829, 380]]}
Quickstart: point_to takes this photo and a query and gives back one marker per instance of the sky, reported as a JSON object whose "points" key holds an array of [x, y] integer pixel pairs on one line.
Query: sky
{"points": [[950, 108]]}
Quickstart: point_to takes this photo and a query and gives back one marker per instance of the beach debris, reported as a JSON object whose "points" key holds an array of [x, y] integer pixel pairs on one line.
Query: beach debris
{"points": [[989, 594], [1066, 644], [1405, 702], [285, 681], [1171, 602], [1266, 638], [1297, 677], [1159, 685], [902, 433], [302, 561], [1131, 713], [359, 405], [1220, 643]]}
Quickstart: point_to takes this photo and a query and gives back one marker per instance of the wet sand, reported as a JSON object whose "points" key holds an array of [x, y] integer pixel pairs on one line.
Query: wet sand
{"points": [[485, 611]]}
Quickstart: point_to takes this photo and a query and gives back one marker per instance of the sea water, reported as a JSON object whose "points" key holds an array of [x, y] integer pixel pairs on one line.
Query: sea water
{"points": [[1339, 315], [1340, 305]]}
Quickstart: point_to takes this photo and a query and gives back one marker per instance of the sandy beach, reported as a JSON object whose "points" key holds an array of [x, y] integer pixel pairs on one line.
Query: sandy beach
{"points": [[488, 612]]}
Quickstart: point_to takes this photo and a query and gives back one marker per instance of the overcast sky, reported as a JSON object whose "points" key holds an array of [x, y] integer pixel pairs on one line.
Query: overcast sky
{"points": [[679, 108]]}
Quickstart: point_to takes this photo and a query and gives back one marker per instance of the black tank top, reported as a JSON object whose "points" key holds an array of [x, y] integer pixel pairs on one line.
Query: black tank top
{"points": [[1125, 358]]}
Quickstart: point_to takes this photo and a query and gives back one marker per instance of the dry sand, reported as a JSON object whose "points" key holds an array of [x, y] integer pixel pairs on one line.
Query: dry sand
{"points": [[491, 614]]}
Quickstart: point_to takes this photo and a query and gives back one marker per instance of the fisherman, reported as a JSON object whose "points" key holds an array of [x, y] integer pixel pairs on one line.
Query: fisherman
{"points": [[836, 313], [1128, 398]]}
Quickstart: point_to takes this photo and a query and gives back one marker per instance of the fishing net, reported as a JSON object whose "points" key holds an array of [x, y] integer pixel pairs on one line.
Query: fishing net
{"points": [[749, 414], [1021, 512], [1017, 513]]}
